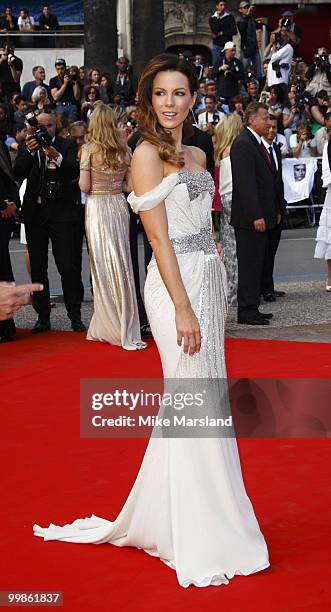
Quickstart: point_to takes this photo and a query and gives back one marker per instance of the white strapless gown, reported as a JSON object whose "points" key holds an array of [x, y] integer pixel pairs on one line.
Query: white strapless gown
{"points": [[188, 505]]}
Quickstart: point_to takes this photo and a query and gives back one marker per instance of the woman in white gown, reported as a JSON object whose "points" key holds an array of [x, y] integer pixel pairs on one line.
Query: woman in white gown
{"points": [[323, 237], [188, 505]]}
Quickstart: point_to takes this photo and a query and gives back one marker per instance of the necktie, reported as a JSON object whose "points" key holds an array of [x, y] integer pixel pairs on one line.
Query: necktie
{"points": [[265, 153], [272, 160]]}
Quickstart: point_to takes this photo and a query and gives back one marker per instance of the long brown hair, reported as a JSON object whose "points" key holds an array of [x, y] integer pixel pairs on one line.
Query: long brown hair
{"points": [[104, 138], [149, 127]]}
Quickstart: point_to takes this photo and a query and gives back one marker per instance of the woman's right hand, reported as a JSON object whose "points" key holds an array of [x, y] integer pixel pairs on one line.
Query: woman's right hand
{"points": [[188, 330]]}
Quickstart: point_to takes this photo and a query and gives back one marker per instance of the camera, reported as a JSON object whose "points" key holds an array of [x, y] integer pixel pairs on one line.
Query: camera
{"points": [[276, 66], [301, 100], [278, 38], [3, 204], [40, 133], [132, 123], [286, 23]]}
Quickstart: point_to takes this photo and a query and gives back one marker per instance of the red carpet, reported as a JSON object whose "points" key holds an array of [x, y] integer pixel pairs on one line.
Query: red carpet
{"points": [[50, 474]]}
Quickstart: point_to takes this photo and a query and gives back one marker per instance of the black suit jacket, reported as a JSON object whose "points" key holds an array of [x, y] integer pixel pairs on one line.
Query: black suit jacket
{"points": [[62, 208], [256, 193], [8, 187], [127, 91]]}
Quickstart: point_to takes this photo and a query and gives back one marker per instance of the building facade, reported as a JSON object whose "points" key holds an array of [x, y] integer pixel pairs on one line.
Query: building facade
{"points": [[187, 28]]}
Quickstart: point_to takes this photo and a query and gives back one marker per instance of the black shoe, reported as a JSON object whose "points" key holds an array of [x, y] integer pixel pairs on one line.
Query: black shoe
{"points": [[279, 293], [266, 315], [269, 297], [77, 325], [257, 320], [41, 326]]}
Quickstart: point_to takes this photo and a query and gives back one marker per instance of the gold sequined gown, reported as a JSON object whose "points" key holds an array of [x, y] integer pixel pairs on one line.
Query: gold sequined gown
{"points": [[188, 505], [115, 318]]}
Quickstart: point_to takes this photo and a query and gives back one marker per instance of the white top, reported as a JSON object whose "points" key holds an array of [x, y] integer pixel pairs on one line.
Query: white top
{"points": [[206, 117], [267, 146], [305, 151], [25, 23], [225, 184], [326, 172], [284, 56]]}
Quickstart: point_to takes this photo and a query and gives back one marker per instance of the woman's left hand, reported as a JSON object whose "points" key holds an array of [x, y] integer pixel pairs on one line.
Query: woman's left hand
{"points": [[219, 250]]}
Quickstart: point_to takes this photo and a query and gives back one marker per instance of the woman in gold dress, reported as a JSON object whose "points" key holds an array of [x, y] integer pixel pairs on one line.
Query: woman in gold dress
{"points": [[104, 175]]}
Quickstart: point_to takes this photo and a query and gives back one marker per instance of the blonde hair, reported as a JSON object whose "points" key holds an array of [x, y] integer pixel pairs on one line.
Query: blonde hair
{"points": [[225, 133], [104, 138], [37, 94]]}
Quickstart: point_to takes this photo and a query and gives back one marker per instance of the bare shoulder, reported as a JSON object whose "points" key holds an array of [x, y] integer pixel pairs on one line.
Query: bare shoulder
{"points": [[147, 168], [197, 156]]}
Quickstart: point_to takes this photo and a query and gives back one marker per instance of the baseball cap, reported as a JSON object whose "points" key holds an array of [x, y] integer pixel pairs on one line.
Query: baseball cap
{"points": [[244, 3], [229, 45], [288, 14], [60, 62]]}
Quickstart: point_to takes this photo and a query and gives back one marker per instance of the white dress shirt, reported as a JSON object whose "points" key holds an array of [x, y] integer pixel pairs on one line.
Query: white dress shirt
{"points": [[267, 146]]}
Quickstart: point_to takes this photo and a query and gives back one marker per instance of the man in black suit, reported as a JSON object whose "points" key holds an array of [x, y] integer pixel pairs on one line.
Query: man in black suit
{"points": [[49, 211], [123, 85], [267, 288], [9, 202], [255, 204]]}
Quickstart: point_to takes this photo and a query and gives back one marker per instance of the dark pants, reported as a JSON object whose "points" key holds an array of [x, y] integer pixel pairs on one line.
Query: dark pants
{"points": [[7, 328], [251, 248], [62, 236], [135, 265], [79, 237], [273, 240]]}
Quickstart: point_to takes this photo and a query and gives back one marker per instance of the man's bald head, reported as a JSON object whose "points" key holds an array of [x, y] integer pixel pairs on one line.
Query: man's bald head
{"points": [[48, 121]]}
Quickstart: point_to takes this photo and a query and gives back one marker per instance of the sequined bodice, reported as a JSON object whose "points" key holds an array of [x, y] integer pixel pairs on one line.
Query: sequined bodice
{"points": [[107, 179], [189, 205], [103, 178]]}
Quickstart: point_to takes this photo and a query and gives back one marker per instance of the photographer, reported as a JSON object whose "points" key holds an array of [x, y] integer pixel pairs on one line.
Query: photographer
{"points": [[319, 73], [50, 212], [281, 57], [228, 72], [294, 32], [303, 144], [247, 26], [65, 91], [10, 71], [318, 107], [210, 116]]}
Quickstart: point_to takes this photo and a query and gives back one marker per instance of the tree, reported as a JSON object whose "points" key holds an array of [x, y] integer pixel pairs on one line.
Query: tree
{"points": [[100, 34], [147, 32]]}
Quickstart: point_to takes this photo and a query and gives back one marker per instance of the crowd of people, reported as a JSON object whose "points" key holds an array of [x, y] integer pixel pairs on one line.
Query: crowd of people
{"points": [[26, 23], [54, 126]]}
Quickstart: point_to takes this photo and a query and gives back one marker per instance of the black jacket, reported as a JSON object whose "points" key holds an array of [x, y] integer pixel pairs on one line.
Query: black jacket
{"points": [[256, 193], [63, 207], [247, 29], [228, 84], [8, 187], [224, 28], [127, 91]]}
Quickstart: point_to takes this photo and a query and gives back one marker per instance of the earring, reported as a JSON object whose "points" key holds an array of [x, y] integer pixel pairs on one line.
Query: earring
{"points": [[194, 120]]}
